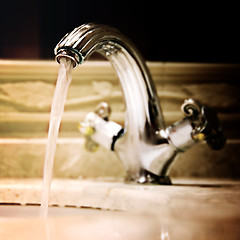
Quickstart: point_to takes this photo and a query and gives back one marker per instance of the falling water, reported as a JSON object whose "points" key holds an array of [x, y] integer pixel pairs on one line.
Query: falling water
{"points": [[59, 98]]}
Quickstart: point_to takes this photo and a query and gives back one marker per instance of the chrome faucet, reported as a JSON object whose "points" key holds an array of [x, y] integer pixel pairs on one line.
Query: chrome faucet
{"points": [[144, 145]]}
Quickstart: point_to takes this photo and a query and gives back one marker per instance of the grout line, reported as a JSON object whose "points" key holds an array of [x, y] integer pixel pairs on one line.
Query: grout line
{"points": [[40, 141], [64, 141]]}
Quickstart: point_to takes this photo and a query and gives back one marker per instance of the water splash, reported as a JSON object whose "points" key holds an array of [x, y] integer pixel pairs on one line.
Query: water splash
{"points": [[59, 98]]}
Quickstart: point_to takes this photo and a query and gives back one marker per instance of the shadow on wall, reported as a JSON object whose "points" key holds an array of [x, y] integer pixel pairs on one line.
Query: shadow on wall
{"points": [[31, 29]]}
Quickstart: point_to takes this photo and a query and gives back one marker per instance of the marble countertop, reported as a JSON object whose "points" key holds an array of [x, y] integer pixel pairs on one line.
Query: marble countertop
{"points": [[205, 208]]}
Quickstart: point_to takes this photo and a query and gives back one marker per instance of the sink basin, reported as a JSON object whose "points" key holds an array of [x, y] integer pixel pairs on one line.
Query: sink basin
{"points": [[96, 209], [21, 211], [67, 223]]}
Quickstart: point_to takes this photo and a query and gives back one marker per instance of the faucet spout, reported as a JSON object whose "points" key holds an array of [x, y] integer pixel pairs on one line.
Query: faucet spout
{"points": [[122, 54], [144, 144]]}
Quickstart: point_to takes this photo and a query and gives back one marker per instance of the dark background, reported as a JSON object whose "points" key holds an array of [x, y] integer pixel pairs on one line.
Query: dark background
{"points": [[162, 32]]}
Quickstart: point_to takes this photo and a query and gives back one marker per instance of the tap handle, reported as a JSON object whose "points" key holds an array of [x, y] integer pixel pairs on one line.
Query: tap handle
{"points": [[205, 123], [98, 130], [212, 129]]}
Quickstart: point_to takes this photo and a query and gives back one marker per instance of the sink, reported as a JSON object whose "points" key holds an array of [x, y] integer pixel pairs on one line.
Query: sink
{"points": [[33, 211], [97, 209], [74, 223]]}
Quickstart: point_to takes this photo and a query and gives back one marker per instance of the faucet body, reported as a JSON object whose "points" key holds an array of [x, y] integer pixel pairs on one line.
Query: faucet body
{"points": [[145, 147]]}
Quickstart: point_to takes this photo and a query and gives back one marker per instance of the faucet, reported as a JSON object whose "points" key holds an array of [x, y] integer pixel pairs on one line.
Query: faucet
{"points": [[144, 145]]}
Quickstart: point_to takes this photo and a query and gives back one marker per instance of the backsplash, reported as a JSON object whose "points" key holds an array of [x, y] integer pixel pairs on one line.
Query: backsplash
{"points": [[26, 90]]}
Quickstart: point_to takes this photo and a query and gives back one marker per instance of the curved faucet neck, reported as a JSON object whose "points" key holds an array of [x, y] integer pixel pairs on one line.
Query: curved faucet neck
{"points": [[138, 88], [146, 148], [143, 120]]}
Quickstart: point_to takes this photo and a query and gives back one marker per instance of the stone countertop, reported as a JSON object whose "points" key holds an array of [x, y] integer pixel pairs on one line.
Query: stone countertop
{"points": [[205, 208], [115, 194]]}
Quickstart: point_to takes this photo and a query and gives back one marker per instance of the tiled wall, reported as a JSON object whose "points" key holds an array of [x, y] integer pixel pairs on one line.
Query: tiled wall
{"points": [[26, 89]]}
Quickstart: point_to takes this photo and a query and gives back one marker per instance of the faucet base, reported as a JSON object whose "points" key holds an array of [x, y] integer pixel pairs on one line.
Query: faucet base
{"points": [[148, 177]]}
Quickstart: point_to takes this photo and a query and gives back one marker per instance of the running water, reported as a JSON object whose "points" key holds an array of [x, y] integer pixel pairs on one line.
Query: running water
{"points": [[59, 98]]}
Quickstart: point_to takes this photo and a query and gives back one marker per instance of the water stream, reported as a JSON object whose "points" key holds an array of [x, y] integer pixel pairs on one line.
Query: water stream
{"points": [[59, 98]]}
